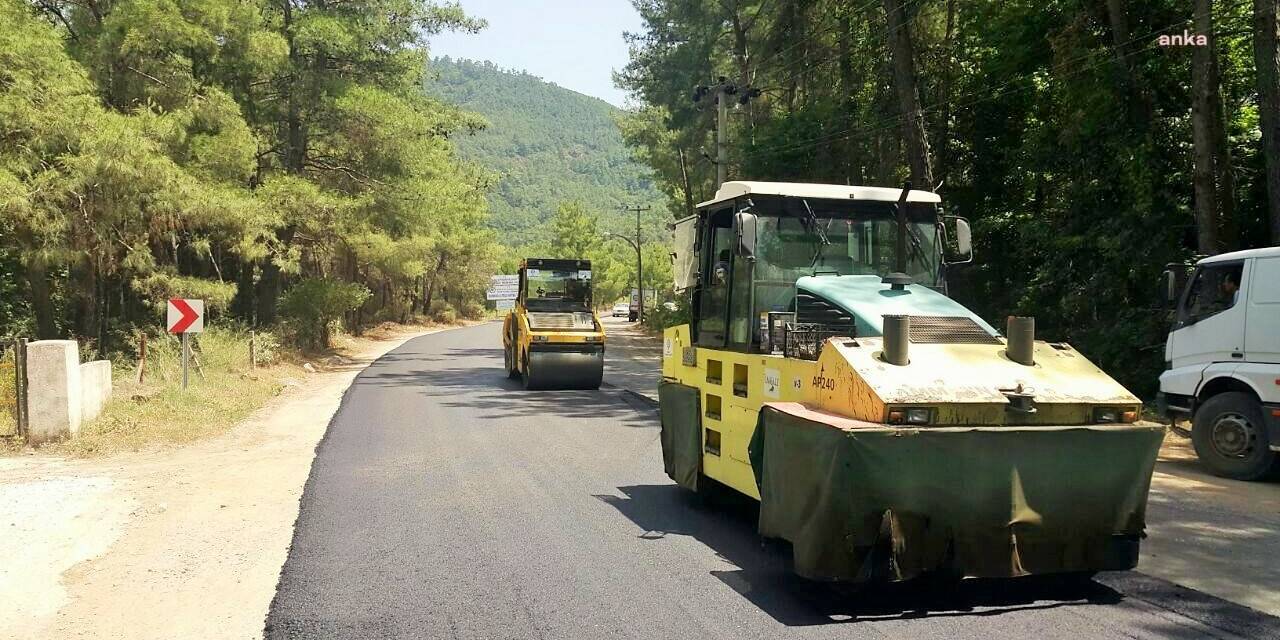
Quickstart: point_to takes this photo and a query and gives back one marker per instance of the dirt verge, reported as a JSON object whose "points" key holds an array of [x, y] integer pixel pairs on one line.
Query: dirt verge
{"points": [[180, 543]]}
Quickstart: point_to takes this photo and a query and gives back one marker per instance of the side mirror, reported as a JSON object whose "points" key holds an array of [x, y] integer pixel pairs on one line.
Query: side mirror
{"points": [[1172, 281], [957, 230], [745, 223]]}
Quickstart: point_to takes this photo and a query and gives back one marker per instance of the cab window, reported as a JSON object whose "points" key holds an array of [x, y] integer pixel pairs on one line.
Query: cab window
{"points": [[1214, 288], [713, 304]]}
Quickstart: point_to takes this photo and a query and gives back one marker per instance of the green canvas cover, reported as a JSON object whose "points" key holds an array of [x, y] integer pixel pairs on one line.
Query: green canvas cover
{"points": [[861, 501], [681, 439]]}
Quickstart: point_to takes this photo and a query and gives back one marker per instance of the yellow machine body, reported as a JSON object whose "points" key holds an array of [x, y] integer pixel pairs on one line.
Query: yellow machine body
{"points": [[554, 340], [887, 430], [960, 384]]}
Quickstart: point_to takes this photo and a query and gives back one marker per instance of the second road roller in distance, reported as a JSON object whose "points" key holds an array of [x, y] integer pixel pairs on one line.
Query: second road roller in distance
{"points": [[552, 339], [888, 431]]}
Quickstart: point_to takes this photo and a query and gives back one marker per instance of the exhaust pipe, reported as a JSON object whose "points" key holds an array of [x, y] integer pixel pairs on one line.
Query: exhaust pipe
{"points": [[897, 333], [1021, 340]]}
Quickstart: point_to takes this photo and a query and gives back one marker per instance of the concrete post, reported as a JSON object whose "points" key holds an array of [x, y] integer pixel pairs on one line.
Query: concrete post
{"points": [[95, 388], [53, 390]]}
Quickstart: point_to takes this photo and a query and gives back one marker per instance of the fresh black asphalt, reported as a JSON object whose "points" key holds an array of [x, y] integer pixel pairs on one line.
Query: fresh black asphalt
{"points": [[446, 502]]}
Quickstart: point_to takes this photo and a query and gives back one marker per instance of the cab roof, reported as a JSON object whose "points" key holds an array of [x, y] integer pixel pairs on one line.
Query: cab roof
{"points": [[555, 263], [738, 188], [1264, 252]]}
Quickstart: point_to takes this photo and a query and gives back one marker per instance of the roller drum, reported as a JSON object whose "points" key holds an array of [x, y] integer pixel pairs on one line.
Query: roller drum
{"points": [[564, 370]]}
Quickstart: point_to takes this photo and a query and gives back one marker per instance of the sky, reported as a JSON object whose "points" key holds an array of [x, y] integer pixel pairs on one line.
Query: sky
{"points": [[575, 44]]}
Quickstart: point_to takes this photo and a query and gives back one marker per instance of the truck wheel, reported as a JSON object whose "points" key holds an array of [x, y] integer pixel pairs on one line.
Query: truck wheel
{"points": [[1230, 437]]}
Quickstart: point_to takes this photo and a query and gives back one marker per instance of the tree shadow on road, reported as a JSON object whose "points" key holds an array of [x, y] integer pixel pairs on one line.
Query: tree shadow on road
{"points": [[480, 383], [764, 575]]}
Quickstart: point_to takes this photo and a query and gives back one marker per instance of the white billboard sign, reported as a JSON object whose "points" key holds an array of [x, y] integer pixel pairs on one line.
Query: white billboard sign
{"points": [[503, 288]]}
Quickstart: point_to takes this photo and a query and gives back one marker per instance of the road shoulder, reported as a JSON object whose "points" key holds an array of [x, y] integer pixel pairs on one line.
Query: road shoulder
{"points": [[185, 543]]}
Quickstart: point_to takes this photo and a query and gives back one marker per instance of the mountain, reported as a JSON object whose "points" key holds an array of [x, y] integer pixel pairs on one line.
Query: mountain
{"points": [[548, 144]]}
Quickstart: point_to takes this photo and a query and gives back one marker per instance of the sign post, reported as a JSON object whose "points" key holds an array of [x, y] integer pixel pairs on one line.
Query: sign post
{"points": [[184, 317]]}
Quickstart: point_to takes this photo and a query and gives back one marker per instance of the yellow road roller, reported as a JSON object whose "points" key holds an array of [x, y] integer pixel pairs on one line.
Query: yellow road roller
{"points": [[552, 339], [887, 431]]}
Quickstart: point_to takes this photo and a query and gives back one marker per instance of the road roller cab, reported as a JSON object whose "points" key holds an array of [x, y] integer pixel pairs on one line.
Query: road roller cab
{"points": [[552, 339], [887, 430]]}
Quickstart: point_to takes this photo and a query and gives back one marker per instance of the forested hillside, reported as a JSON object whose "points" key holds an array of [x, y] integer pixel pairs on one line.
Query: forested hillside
{"points": [[270, 157], [1088, 150], [546, 145]]}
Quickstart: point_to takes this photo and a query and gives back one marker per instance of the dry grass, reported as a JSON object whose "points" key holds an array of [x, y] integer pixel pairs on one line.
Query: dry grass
{"points": [[8, 396], [159, 413]]}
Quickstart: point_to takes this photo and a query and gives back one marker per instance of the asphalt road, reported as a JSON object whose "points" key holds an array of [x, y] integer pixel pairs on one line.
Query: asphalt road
{"points": [[445, 502]]}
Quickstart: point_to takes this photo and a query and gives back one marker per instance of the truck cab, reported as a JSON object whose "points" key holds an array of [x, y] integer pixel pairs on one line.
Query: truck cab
{"points": [[1222, 360]]}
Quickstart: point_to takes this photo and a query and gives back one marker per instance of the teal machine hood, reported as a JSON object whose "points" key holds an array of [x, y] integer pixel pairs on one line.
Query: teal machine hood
{"points": [[867, 300]]}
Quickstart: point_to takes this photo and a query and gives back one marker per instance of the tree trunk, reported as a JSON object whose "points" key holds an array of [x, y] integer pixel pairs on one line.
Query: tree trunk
{"points": [[295, 144], [41, 305], [904, 82], [293, 160], [848, 106], [1140, 109], [1203, 93], [268, 293], [944, 94], [85, 277], [1267, 61], [430, 291], [1228, 227]]}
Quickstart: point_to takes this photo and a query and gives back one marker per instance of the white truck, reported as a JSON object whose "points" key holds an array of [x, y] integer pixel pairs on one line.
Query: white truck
{"points": [[1222, 360]]}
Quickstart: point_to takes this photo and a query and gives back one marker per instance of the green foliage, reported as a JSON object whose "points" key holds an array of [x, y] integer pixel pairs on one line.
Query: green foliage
{"points": [[663, 317], [575, 233], [546, 145], [225, 150], [314, 305]]}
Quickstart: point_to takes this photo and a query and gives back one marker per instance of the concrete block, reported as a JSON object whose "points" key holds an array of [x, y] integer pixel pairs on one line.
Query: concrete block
{"points": [[53, 389], [95, 388]]}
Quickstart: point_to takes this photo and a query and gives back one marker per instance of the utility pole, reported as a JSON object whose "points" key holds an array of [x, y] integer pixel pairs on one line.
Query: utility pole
{"points": [[639, 257], [723, 89], [722, 124]]}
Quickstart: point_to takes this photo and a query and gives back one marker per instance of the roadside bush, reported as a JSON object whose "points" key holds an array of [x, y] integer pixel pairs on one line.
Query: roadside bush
{"points": [[472, 311], [313, 306], [442, 312], [663, 318]]}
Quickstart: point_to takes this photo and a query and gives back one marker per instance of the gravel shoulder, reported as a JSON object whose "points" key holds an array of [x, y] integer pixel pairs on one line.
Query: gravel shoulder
{"points": [[178, 543]]}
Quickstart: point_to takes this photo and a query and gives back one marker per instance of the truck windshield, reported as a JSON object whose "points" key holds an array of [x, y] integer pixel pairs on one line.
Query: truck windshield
{"points": [[558, 290]]}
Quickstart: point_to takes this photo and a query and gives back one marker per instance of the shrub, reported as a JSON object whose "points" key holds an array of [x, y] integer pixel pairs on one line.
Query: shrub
{"points": [[312, 306], [662, 318]]}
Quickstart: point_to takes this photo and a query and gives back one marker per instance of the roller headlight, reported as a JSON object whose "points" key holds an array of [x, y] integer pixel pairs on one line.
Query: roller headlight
{"points": [[1106, 414], [538, 338], [911, 415]]}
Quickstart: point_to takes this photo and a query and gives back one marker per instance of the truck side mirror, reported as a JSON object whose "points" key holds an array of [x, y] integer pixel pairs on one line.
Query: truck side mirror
{"points": [[958, 229], [1172, 281], [745, 223]]}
